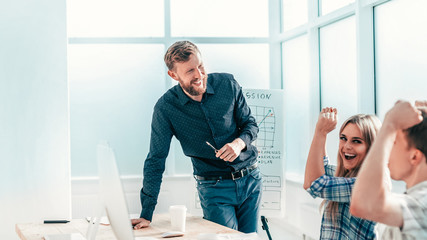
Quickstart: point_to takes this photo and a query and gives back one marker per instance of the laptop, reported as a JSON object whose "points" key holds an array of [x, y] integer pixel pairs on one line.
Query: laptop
{"points": [[112, 200]]}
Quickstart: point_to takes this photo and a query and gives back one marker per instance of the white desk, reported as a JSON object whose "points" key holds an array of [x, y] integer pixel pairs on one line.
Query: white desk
{"points": [[160, 224]]}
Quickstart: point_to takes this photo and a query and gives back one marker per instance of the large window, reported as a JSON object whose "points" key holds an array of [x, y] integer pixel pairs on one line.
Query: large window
{"points": [[359, 56], [296, 77], [113, 88], [294, 14], [338, 74], [328, 6], [363, 56], [319, 70], [401, 52], [219, 18], [116, 69], [249, 63], [112, 18]]}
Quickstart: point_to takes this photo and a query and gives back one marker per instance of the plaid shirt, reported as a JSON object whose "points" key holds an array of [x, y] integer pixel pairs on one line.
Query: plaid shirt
{"points": [[338, 189]]}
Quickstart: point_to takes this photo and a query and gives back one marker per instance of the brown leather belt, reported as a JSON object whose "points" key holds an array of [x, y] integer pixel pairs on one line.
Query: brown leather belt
{"points": [[232, 175]]}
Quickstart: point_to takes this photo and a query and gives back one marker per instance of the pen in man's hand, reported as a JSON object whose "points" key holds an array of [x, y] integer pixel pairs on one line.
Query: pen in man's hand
{"points": [[55, 221], [210, 145]]}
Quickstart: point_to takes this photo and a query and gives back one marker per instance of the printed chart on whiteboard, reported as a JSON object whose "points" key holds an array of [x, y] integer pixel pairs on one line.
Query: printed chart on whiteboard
{"points": [[266, 120], [267, 106]]}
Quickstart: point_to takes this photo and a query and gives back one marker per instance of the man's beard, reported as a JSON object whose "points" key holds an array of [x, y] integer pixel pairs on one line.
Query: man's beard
{"points": [[190, 89]]}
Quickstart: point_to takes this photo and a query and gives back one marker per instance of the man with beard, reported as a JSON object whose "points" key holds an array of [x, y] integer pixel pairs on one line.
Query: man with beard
{"points": [[205, 112]]}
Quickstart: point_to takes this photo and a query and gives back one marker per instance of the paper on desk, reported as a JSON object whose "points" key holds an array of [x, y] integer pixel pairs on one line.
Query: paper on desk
{"points": [[105, 221]]}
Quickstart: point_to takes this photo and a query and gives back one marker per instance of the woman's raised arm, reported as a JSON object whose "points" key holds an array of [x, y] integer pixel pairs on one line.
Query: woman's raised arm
{"points": [[314, 167]]}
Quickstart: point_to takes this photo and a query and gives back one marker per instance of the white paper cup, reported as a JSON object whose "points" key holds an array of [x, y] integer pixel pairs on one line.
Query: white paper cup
{"points": [[178, 216]]}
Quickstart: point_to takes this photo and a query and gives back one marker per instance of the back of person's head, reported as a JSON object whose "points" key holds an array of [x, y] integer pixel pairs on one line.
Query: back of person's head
{"points": [[417, 135], [369, 126], [179, 52]]}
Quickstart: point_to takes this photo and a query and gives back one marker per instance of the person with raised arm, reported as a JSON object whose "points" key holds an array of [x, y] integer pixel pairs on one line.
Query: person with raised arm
{"points": [[399, 151], [334, 183]]}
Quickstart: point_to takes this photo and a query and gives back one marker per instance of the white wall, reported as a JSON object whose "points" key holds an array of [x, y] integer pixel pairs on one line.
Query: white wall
{"points": [[34, 152]]}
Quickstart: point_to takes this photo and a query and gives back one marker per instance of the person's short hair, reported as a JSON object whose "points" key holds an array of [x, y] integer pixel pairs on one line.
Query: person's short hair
{"points": [[179, 52], [417, 135]]}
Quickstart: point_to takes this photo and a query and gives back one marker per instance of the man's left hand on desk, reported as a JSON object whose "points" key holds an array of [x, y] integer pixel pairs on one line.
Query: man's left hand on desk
{"points": [[139, 223]]}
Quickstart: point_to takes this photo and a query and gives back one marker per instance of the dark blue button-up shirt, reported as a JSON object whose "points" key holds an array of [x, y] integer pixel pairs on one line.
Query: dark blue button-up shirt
{"points": [[221, 117]]}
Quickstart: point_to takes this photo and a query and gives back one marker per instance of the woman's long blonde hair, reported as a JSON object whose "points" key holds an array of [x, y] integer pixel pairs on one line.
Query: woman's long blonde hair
{"points": [[369, 125]]}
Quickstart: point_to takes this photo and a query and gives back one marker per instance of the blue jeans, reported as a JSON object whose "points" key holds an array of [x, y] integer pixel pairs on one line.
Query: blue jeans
{"points": [[232, 203]]}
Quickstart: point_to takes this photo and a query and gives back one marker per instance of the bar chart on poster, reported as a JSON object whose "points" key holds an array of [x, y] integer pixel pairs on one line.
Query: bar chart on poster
{"points": [[267, 106]]}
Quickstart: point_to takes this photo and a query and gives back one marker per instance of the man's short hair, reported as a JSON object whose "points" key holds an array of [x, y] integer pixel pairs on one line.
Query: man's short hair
{"points": [[179, 52], [417, 135]]}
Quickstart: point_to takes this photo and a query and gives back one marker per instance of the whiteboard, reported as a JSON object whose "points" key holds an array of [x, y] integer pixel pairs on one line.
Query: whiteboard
{"points": [[267, 106]]}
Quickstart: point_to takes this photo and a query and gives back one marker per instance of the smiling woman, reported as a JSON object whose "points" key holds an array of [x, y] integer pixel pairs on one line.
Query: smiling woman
{"points": [[334, 183], [356, 137], [352, 147]]}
